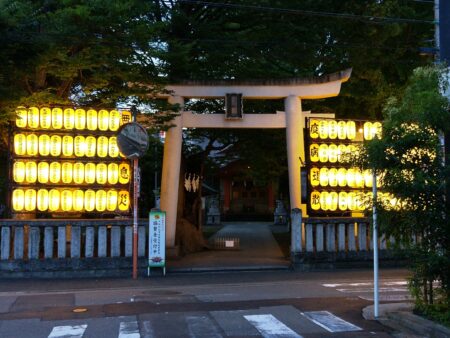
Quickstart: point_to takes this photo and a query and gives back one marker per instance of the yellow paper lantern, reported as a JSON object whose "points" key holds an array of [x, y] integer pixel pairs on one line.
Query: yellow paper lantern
{"points": [[80, 119], [55, 145], [352, 150], [114, 120], [332, 177], [57, 118], [101, 173], [32, 144], [324, 202], [123, 200], [43, 172], [102, 146], [351, 178], [359, 179], [66, 172], [78, 173], [55, 172], [69, 118], [30, 199], [91, 144], [342, 200], [314, 177], [45, 118], [113, 149], [332, 129], [18, 199], [314, 152], [360, 201], [377, 129], [125, 117], [368, 178], [79, 145], [103, 120], [78, 200], [19, 171], [332, 153], [323, 129], [42, 199], [323, 177], [91, 119], [66, 200], [332, 201], [33, 117], [89, 173], [100, 200], [113, 173], [124, 173], [352, 202], [67, 145], [314, 128], [89, 200], [20, 144], [351, 130], [342, 177], [342, 130], [21, 117], [315, 200], [368, 131], [54, 198], [30, 172], [323, 153], [44, 145], [111, 200], [341, 153]]}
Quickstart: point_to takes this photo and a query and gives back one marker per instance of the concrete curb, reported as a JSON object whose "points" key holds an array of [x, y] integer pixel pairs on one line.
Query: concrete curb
{"points": [[399, 316]]}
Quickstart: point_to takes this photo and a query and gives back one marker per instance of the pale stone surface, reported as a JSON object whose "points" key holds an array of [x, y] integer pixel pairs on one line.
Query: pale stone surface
{"points": [[351, 237], [101, 241], [341, 237], [75, 242], [128, 241], [115, 241], [296, 231], [34, 236], [141, 241], [331, 241], [5, 243], [89, 245], [319, 237], [48, 242], [309, 238], [62, 242], [18, 243], [362, 236]]}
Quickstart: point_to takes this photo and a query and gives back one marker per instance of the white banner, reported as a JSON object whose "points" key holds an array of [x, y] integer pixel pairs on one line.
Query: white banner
{"points": [[157, 239]]}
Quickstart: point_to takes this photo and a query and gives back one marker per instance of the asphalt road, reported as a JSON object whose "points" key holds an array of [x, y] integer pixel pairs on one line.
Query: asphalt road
{"points": [[233, 304]]}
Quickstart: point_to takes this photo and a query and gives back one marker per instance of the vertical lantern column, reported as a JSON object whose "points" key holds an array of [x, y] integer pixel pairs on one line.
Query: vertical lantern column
{"points": [[171, 172]]}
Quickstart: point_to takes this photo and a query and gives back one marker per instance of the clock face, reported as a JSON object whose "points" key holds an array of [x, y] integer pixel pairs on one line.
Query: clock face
{"points": [[132, 140]]}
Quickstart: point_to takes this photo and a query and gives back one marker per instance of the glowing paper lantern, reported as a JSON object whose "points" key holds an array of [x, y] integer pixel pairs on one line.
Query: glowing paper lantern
{"points": [[332, 129], [113, 149], [55, 172], [79, 145], [21, 117], [368, 178], [43, 172], [323, 153], [45, 118], [66, 174], [368, 131], [57, 118], [53, 200], [315, 200], [343, 198], [323, 129], [342, 177], [19, 171], [351, 201], [69, 118], [332, 153], [44, 145], [324, 205], [114, 120], [351, 130], [100, 200], [78, 173], [42, 199], [89, 173], [89, 200], [33, 117], [103, 120], [314, 152], [124, 173], [20, 144], [91, 144], [359, 179], [102, 146], [125, 117], [123, 200], [360, 202], [66, 200], [78, 200], [314, 128], [91, 119], [32, 145], [111, 200], [30, 199], [113, 173], [80, 119], [323, 177], [341, 153], [101, 173], [377, 129], [314, 177], [18, 199], [332, 177], [67, 145], [342, 130], [30, 172], [55, 145], [351, 178], [332, 201]]}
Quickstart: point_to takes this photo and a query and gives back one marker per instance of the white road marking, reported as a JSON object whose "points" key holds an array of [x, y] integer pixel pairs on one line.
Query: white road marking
{"points": [[129, 330], [330, 322], [270, 327], [388, 297], [365, 284], [371, 290], [201, 326], [75, 331], [148, 329]]}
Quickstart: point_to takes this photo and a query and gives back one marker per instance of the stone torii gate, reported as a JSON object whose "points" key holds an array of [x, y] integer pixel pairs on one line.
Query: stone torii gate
{"points": [[293, 119]]}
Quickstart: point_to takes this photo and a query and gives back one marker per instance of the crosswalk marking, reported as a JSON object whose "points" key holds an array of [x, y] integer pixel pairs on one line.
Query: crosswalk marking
{"points": [[330, 322], [129, 330], [201, 326], [75, 331], [270, 327]]}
